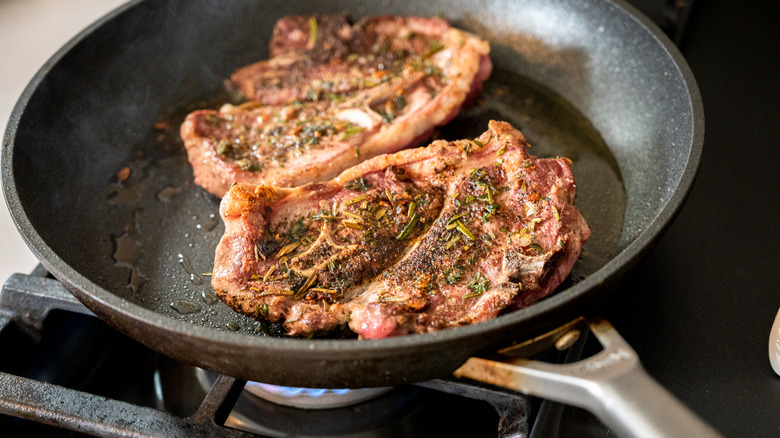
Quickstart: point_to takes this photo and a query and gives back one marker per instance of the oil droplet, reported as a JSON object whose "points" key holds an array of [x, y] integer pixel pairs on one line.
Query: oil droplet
{"points": [[211, 222], [120, 195], [167, 193], [194, 275], [233, 327], [136, 280], [185, 306], [127, 251], [126, 255], [209, 297]]}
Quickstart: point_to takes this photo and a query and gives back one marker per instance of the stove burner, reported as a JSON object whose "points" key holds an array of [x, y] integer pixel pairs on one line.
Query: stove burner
{"points": [[309, 398], [301, 398], [186, 401]]}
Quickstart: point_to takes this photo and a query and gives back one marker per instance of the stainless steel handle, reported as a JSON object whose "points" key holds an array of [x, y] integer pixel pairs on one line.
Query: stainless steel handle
{"points": [[612, 384]]}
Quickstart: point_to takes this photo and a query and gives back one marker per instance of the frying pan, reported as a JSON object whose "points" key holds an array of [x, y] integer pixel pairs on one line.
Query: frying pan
{"points": [[590, 79]]}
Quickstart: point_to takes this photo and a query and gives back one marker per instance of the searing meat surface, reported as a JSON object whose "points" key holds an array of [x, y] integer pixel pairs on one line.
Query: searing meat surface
{"points": [[334, 95], [412, 242]]}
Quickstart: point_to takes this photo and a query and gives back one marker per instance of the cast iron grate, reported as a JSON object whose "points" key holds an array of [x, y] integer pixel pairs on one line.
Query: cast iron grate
{"points": [[27, 300]]}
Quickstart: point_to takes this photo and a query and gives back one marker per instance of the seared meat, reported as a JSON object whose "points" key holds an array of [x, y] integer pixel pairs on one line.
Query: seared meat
{"points": [[334, 95], [412, 242]]}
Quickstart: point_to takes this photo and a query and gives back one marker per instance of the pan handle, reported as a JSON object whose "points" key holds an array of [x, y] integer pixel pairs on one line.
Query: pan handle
{"points": [[612, 384]]}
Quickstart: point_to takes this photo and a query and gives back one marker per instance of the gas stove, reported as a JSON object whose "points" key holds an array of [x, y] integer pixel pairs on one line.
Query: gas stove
{"points": [[63, 368]]}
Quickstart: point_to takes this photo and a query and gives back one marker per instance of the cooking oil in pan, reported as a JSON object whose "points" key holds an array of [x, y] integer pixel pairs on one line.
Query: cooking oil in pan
{"points": [[176, 226]]}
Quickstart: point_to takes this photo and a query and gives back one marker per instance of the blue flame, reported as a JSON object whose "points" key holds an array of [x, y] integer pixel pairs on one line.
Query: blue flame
{"points": [[290, 391]]}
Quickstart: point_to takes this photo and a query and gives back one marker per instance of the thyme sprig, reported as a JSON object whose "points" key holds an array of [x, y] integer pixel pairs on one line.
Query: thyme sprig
{"points": [[479, 284]]}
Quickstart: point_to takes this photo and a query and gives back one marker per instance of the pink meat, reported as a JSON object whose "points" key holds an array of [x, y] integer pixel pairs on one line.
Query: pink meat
{"points": [[327, 102], [421, 240]]}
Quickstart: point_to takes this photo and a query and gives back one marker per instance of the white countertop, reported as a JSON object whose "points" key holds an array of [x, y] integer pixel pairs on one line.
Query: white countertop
{"points": [[31, 31]]}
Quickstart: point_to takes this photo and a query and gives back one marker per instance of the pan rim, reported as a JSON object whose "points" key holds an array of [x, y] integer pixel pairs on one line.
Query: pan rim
{"points": [[93, 295]]}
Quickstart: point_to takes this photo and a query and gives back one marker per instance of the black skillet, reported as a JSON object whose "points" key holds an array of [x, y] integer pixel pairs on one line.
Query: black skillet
{"points": [[591, 80]]}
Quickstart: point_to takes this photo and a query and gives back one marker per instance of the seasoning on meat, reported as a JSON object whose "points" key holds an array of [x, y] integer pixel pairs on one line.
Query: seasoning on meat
{"points": [[421, 240], [333, 95]]}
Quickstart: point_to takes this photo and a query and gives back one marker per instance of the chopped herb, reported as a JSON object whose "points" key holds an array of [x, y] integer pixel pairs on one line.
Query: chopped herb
{"points": [[479, 284], [288, 249], [478, 143], [532, 225], [412, 208], [264, 309], [555, 213], [473, 259], [354, 200], [392, 108], [225, 148], [452, 220], [213, 120], [358, 184], [312, 31], [248, 165], [263, 327], [407, 231], [352, 225], [268, 273], [490, 210], [309, 283], [452, 276], [536, 247], [434, 47], [431, 69], [331, 266], [325, 214], [399, 102], [297, 230], [313, 94], [273, 292], [390, 197], [465, 231], [352, 131], [353, 215], [452, 241]]}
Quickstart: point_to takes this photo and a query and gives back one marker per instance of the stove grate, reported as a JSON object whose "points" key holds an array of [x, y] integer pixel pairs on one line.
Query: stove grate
{"points": [[27, 300]]}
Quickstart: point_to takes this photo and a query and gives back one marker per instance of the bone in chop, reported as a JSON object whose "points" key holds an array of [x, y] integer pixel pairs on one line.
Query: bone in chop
{"points": [[333, 95], [412, 242]]}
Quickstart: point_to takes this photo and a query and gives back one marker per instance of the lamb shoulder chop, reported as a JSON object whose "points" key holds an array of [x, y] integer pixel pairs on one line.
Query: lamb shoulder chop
{"points": [[412, 242], [333, 95]]}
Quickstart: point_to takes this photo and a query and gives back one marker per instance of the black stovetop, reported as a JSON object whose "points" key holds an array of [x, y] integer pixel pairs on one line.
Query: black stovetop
{"points": [[698, 309]]}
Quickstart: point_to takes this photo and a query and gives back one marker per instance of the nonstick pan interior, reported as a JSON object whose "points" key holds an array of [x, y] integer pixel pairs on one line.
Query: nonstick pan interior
{"points": [[100, 187]]}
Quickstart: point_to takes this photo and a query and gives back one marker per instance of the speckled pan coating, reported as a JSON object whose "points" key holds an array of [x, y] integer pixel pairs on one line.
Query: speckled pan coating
{"points": [[91, 111]]}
